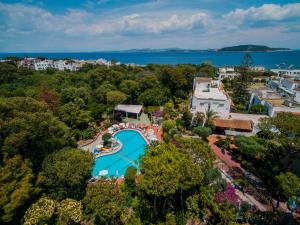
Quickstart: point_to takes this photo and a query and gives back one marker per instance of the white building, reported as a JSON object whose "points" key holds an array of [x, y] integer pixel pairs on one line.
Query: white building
{"points": [[288, 88], [209, 95], [43, 64], [66, 65], [257, 68], [273, 101], [227, 72], [55, 64], [286, 72]]}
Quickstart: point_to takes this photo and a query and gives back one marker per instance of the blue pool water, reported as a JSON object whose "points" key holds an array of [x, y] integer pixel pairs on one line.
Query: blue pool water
{"points": [[116, 164]]}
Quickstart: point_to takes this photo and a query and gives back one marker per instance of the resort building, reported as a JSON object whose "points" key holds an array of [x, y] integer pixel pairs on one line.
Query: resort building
{"points": [[275, 101], [286, 72], [132, 111], [210, 95], [288, 88]]}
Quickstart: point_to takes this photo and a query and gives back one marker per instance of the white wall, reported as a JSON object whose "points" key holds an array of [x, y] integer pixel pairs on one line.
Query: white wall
{"points": [[222, 107]]}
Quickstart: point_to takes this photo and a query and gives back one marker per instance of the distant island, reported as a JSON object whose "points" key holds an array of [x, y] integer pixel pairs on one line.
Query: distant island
{"points": [[168, 50], [251, 48]]}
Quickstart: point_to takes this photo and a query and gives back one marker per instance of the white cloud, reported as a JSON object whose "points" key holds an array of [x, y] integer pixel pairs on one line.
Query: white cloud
{"points": [[267, 12], [78, 22], [139, 27]]}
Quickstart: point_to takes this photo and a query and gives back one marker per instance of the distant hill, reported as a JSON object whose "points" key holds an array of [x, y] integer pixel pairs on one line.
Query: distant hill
{"points": [[251, 48]]}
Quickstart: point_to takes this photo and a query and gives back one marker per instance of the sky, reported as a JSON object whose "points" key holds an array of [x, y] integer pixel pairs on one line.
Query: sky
{"points": [[103, 25]]}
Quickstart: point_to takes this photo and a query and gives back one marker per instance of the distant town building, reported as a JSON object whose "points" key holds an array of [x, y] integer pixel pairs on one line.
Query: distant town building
{"points": [[227, 72], [257, 68], [43, 64], [68, 64], [210, 95]]}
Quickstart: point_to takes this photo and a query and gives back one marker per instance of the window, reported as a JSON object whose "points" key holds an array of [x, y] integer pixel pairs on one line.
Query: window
{"points": [[221, 105]]}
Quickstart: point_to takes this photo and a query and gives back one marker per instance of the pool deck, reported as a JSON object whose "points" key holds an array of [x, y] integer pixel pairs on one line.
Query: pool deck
{"points": [[90, 145]]}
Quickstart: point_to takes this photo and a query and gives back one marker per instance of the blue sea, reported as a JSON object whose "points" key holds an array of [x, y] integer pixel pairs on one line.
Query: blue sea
{"points": [[266, 59]]}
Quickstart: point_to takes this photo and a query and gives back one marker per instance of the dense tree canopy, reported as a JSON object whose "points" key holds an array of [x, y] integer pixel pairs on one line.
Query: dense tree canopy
{"points": [[104, 202], [66, 172], [16, 188], [29, 129]]}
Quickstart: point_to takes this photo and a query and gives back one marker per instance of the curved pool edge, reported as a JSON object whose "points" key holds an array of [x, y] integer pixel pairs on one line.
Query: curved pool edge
{"points": [[140, 134], [143, 136]]}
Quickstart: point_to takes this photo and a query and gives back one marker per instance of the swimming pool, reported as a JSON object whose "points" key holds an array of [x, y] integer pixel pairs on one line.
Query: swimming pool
{"points": [[116, 164]]}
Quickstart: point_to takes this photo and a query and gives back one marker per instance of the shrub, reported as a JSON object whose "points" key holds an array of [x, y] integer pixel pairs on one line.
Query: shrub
{"points": [[168, 125], [106, 137], [259, 109], [203, 132], [223, 143]]}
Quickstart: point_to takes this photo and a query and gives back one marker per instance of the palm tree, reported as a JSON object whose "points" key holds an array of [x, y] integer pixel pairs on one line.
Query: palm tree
{"points": [[209, 116]]}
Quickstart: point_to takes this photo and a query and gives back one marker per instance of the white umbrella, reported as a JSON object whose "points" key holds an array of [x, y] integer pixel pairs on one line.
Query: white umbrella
{"points": [[103, 172], [99, 146]]}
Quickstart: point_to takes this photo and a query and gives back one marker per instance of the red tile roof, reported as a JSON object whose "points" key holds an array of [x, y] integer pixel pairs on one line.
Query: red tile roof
{"points": [[234, 124]]}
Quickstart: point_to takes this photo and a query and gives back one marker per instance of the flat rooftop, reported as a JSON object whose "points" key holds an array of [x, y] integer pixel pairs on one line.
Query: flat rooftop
{"points": [[129, 108], [209, 93]]}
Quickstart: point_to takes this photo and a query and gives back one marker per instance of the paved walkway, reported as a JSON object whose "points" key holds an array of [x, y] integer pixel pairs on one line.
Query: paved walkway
{"points": [[90, 147], [230, 163]]}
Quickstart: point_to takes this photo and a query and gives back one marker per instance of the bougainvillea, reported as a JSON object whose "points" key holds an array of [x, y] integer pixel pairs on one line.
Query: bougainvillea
{"points": [[228, 195]]}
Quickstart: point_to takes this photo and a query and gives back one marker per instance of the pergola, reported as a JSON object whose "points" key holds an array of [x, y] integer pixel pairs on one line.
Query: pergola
{"points": [[129, 109]]}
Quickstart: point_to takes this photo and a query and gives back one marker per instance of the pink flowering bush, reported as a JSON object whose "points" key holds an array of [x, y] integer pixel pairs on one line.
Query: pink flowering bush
{"points": [[228, 195]]}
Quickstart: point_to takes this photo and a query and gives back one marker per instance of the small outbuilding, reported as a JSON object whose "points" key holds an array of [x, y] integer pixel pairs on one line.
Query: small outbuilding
{"points": [[132, 111], [233, 126]]}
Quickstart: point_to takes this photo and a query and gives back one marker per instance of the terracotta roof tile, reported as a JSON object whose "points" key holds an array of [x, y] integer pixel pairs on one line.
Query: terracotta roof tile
{"points": [[234, 124]]}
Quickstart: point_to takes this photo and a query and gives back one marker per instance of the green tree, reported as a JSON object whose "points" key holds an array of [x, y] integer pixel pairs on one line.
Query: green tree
{"points": [[66, 172], [241, 84], [168, 125], [198, 119], [106, 138], [289, 184], [258, 109], [40, 212], [101, 91], [250, 147], [153, 97], [187, 117], [160, 168], [131, 88], [104, 202], [8, 72], [74, 116], [207, 69], [115, 97], [203, 132], [210, 115], [46, 211], [16, 188], [130, 178], [69, 210], [285, 129], [30, 130]]}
